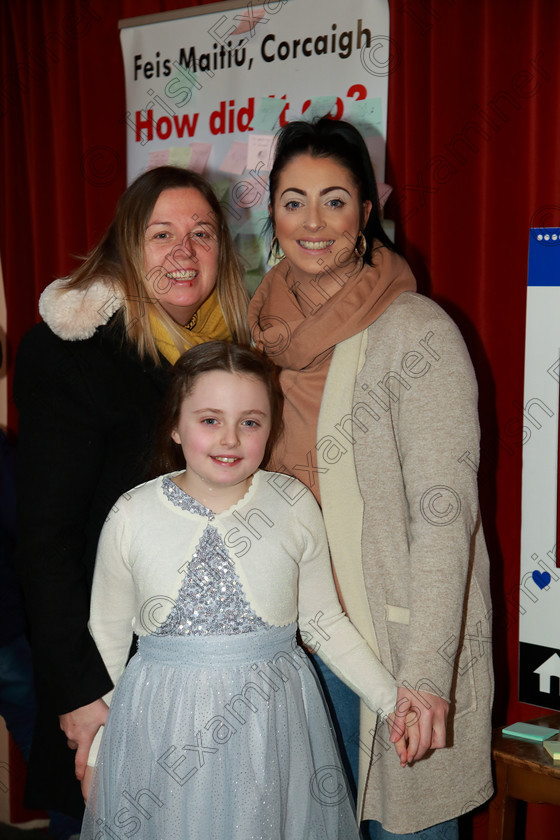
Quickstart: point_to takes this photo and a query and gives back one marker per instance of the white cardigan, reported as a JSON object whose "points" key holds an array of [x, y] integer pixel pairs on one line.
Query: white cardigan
{"points": [[277, 544]]}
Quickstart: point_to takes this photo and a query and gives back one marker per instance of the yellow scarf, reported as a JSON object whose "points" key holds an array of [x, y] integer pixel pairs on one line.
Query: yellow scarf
{"points": [[209, 325]]}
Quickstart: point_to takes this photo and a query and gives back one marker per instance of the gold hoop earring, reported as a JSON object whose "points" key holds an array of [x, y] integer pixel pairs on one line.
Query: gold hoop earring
{"points": [[361, 245], [275, 250]]}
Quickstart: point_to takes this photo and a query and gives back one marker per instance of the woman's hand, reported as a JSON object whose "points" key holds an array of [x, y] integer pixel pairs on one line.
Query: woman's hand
{"points": [[404, 730], [401, 747], [421, 718], [80, 728]]}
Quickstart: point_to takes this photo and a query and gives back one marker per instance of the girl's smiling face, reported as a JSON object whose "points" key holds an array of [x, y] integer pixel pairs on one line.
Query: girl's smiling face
{"points": [[181, 252], [317, 216], [223, 429]]}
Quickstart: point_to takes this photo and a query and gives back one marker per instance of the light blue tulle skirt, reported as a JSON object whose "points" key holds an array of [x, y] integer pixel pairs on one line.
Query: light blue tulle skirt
{"points": [[219, 738]]}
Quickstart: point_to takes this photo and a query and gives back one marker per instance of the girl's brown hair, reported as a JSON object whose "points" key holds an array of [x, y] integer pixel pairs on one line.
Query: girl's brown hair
{"points": [[213, 355]]}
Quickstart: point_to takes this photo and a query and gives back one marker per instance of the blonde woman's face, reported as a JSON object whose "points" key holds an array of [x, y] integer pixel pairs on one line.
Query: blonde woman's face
{"points": [[181, 252]]}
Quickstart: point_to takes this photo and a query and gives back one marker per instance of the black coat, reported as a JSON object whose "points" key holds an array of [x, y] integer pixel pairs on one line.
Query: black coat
{"points": [[87, 414]]}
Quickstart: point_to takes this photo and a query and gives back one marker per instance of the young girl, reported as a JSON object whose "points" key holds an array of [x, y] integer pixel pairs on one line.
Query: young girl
{"points": [[217, 728]]}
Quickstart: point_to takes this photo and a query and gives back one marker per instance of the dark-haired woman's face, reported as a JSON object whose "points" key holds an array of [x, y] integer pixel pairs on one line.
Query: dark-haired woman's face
{"points": [[317, 217]]}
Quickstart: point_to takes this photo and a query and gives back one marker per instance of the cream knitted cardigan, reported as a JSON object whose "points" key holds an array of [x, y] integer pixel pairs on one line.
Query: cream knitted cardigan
{"points": [[415, 587]]}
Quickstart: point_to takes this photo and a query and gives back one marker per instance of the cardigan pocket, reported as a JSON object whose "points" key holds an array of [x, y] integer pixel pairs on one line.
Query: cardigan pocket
{"points": [[401, 615], [463, 692]]}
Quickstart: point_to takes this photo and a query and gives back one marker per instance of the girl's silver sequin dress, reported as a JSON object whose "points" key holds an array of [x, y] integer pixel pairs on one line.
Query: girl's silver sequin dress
{"points": [[218, 729]]}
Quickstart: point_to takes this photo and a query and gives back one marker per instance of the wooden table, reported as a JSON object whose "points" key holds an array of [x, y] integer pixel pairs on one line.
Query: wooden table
{"points": [[524, 770]]}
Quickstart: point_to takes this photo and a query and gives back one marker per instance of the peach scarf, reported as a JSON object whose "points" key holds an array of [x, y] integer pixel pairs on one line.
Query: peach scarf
{"points": [[300, 336]]}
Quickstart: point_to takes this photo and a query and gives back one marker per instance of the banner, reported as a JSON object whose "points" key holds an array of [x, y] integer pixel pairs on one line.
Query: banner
{"points": [[209, 90], [537, 431]]}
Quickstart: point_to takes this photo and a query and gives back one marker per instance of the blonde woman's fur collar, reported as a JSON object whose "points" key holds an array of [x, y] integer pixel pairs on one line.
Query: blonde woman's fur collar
{"points": [[75, 314]]}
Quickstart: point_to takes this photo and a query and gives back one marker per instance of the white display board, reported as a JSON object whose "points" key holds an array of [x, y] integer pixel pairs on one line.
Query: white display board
{"points": [[537, 432], [209, 87]]}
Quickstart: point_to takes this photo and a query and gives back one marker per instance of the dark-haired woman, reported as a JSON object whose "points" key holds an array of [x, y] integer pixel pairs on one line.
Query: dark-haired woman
{"points": [[89, 382], [380, 409]]}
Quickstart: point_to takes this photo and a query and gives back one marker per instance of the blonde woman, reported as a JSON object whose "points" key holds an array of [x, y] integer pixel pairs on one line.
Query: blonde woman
{"points": [[89, 381]]}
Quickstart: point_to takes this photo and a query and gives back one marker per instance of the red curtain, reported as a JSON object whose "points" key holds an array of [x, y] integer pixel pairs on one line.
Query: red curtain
{"points": [[473, 140]]}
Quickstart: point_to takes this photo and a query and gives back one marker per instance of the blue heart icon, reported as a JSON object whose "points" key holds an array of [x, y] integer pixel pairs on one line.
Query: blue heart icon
{"points": [[542, 579]]}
